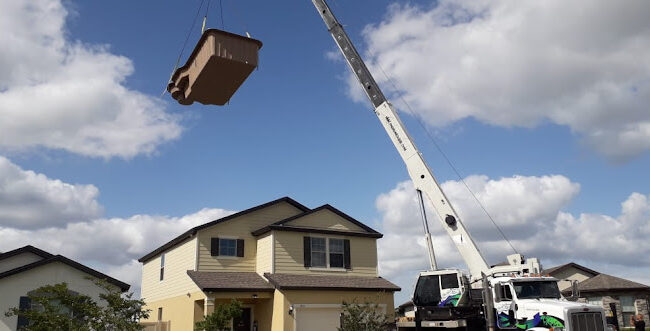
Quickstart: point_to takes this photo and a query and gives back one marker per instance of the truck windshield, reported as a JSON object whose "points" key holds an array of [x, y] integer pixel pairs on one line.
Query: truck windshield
{"points": [[536, 290]]}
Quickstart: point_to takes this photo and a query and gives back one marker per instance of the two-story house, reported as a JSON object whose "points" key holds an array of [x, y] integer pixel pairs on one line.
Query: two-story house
{"points": [[290, 266]]}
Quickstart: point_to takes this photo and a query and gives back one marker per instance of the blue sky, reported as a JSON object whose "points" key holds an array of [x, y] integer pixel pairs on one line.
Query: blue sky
{"points": [[296, 127]]}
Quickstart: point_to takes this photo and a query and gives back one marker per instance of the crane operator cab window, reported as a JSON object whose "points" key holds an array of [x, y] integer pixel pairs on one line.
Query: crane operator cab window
{"points": [[503, 292], [437, 290]]}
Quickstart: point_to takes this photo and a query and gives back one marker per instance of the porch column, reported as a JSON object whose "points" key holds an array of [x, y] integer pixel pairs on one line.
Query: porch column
{"points": [[209, 306]]}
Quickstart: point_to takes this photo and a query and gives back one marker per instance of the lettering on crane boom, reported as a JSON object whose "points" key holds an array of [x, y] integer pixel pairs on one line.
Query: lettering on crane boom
{"points": [[392, 127]]}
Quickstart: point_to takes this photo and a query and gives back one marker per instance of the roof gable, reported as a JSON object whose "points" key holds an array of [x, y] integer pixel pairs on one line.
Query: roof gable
{"points": [[62, 259], [25, 249], [326, 219], [564, 267], [191, 232]]}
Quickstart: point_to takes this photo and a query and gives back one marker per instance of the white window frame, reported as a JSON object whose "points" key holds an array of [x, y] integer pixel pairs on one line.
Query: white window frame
{"points": [[228, 257], [161, 271], [327, 266]]}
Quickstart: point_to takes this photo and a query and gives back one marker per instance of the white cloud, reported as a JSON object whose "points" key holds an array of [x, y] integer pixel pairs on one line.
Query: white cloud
{"points": [[582, 64], [29, 200], [60, 93], [110, 245], [530, 212]]}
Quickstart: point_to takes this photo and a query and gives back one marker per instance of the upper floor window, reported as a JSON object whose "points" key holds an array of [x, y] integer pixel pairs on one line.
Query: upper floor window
{"points": [[162, 266], [227, 247], [327, 252]]}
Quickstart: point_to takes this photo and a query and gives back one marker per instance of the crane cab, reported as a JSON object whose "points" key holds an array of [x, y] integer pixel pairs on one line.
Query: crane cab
{"points": [[440, 288]]}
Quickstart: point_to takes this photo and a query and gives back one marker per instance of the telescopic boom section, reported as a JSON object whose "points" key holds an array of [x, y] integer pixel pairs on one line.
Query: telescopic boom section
{"points": [[420, 173]]}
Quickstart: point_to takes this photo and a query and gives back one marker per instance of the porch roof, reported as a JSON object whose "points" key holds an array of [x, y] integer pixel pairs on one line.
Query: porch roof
{"points": [[344, 283], [230, 281]]}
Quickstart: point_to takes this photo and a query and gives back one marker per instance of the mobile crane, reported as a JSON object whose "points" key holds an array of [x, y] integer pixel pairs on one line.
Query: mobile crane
{"points": [[512, 296]]}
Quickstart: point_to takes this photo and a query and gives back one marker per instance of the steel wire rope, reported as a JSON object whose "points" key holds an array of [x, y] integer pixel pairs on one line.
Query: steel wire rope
{"points": [[440, 150], [187, 38]]}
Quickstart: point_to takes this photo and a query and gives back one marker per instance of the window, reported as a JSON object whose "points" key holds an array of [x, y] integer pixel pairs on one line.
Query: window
{"points": [[336, 253], [627, 309], [318, 252], [327, 252], [227, 247], [504, 292], [449, 281], [162, 267], [598, 301]]}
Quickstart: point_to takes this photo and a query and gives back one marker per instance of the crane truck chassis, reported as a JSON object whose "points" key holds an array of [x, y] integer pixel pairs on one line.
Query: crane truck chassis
{"points": [[506, 297]]}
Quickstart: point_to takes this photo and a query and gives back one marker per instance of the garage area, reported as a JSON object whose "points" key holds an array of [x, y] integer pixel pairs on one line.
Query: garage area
{"points": [[317, 317]]}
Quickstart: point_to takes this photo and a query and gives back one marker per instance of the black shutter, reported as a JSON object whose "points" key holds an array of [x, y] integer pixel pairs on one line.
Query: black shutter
{"points": [[307, 250], [214, 247], [346, 254], [240, 247], [25, 304]]}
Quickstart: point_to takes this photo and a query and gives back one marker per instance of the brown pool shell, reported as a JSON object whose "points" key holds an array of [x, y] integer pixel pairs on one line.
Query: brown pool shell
{"points": [[218, 66]]}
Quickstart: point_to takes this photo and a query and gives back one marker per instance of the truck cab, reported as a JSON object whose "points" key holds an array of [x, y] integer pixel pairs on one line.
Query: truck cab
{"points": [[535, 303]]}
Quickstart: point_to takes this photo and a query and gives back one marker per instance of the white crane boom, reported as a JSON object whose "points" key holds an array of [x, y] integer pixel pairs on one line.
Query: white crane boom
{"points": [[420, 173]]}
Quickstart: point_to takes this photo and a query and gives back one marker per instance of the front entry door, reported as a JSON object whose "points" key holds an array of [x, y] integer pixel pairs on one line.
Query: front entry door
{"points": [[243, 323]]}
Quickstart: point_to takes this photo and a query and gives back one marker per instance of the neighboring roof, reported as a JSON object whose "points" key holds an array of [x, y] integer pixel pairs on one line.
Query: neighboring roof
{"points": [[406, 304], [230, 281], [59, 258], [281, 225], [344, 283], [25, 249], [191, 232], [569, 265], [604, 283]]}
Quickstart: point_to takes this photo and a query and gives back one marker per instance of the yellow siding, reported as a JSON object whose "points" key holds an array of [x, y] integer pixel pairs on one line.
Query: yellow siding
{"points": [[240, 228], [264, 254], [289, 256], [176, 281], [325, 219]]}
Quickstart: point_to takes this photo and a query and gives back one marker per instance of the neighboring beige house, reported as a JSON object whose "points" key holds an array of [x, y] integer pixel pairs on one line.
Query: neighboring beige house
{"points": [[27, 268], [289, 265], [628, 297]]}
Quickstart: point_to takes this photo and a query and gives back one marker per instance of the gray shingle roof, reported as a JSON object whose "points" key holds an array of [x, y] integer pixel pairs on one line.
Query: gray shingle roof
{"points": [[229, 281], [304, 282], [603, 282], [552, 270]]}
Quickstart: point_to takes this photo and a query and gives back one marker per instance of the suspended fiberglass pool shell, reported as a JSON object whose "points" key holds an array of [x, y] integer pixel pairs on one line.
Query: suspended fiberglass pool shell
{"points": [[218, 66]]}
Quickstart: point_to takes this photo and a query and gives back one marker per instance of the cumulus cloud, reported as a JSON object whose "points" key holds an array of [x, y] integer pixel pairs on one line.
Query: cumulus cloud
{"points": [[530, 212], [60, 93], [582, 64], [111, 245], [29, 200]]}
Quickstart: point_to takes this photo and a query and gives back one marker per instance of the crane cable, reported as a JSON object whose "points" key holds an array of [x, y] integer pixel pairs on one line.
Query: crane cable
{"points": [[439, 148], [444, 155], [187, 38]]}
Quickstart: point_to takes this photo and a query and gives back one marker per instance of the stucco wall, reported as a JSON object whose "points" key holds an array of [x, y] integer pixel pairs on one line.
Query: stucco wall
{"points": [[282, 320], [179, 310], [15, 286]]}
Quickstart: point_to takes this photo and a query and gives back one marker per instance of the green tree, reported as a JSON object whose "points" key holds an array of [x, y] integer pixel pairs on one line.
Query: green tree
{"points": [[363, 317], [55, 307], [220, 319]]}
